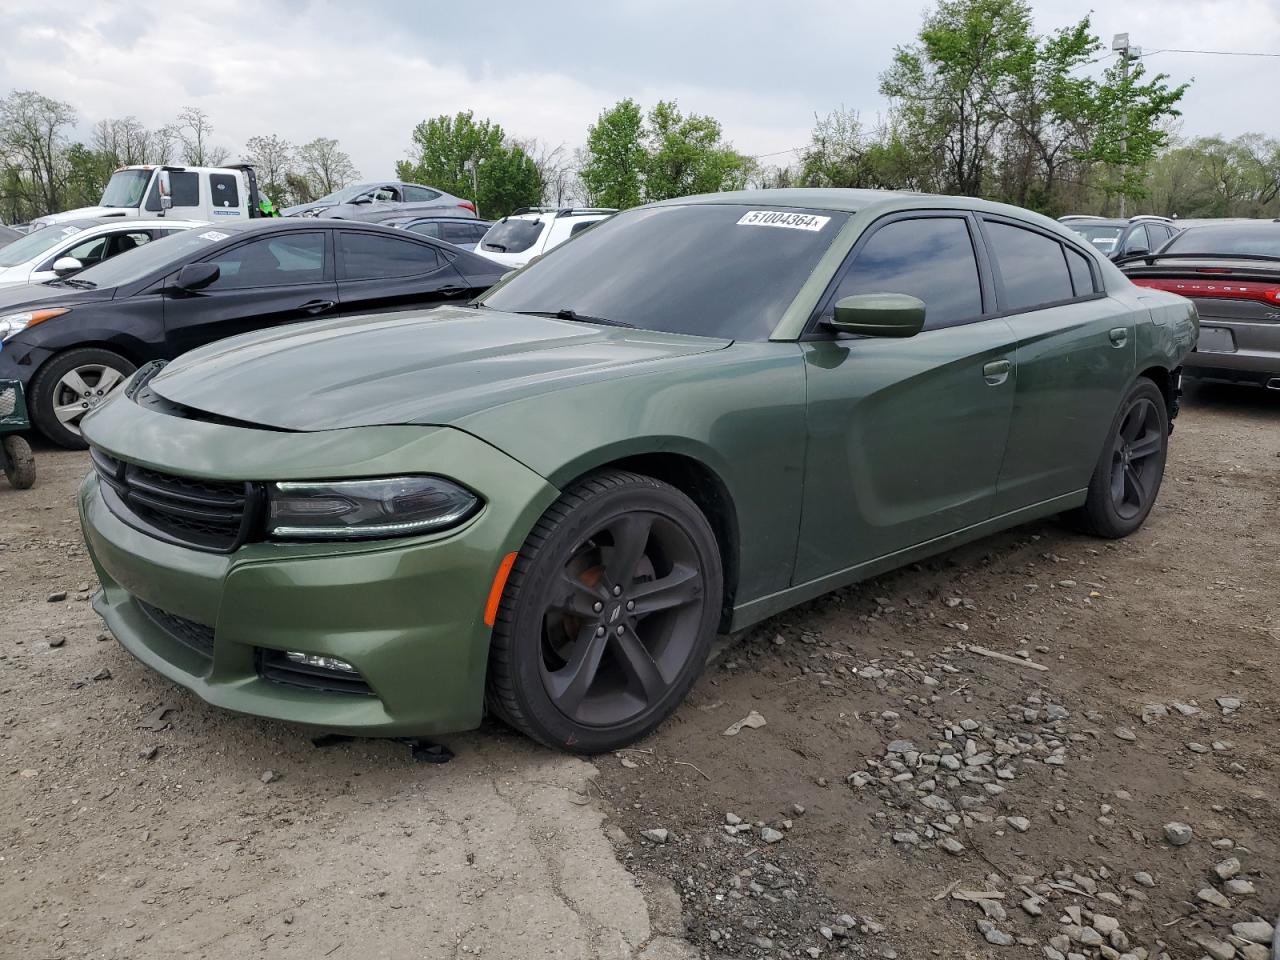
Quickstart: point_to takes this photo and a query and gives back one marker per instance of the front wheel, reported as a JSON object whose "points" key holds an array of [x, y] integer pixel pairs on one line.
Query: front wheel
{"points": [[19, 462], [607, 616], [1127, 478], [69, 386]]}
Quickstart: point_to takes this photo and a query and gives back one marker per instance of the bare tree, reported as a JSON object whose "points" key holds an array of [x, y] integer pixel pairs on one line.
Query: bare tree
{"points": [[126, 141], [325, 166], [194, 130], [274, 159], [33, 143], [556, 171]]}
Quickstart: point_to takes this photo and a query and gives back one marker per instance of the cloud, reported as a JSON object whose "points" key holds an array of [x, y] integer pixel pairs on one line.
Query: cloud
{"points": [[366, 75]]}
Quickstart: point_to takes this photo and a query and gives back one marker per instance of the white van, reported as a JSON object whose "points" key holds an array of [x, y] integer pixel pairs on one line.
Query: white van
{"points": [[211, 194]]}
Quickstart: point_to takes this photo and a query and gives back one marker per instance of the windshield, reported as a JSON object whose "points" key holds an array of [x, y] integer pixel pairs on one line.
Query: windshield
{"points": [[125, 188], [1252, 239], [145, 260], [708, 269], [34, 244], [512, 236], [347, 193], [1103, 238]]}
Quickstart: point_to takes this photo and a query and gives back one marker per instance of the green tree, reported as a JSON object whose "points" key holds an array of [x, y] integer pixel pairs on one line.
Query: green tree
{"points": [[444, 150], [33, 141], [273, 159], [613, 165], [686, 155]]}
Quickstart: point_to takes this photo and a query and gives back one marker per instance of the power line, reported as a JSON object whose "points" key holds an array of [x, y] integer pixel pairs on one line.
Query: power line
{"points": [[1215, 53]]}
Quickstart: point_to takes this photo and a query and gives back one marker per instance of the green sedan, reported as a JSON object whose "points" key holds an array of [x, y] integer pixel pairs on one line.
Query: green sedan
{"points": [[546, 503]]}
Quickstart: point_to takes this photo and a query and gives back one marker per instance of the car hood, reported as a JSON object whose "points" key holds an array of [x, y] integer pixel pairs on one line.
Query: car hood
{"points": [[301, 208], [427, 367], [17, 297], [83, 213]]}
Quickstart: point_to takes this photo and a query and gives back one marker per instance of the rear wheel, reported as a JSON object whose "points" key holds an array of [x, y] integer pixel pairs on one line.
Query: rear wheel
{"points": [[69, 386], [19, 463], [1127, 478], [607, 616]]}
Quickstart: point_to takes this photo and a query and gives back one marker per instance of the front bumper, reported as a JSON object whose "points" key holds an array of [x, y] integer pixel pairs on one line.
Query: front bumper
{"points": [[407, 614]]}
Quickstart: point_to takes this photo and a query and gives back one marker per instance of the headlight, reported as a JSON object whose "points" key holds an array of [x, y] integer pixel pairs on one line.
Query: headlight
{"points": [[14, 323], [364, 509]]}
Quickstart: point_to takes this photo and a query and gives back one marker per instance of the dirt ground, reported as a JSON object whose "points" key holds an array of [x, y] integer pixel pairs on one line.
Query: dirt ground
{"points": [[900, 771]]}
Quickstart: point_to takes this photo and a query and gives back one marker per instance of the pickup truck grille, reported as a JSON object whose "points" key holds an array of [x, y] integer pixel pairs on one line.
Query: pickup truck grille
{"points": [[211, 515]]}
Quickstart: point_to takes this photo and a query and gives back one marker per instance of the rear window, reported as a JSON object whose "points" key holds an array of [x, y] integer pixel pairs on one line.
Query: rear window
{"points": [[1251, 239], [414, 194], [512, 236]]}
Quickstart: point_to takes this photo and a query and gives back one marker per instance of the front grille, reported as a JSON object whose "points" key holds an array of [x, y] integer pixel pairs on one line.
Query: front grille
{"points": [[211, 515], [194, 636], [275, 666]]}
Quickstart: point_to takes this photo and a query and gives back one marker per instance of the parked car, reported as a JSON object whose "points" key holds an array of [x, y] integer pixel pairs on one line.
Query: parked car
{"points": [[8, 235], [72, 245], [458, 231], [1115, 238], [72, 341], [373, 201], [1231, 273], [532, 231], [550, 500], [150, 193]]}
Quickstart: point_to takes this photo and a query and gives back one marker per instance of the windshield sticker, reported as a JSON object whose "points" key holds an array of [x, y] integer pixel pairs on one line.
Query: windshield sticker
{"points": [[70, 231], [779, 218], [214, 235]]}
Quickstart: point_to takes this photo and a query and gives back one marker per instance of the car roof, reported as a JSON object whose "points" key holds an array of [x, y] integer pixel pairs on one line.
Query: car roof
{"points": [[849, 200]]}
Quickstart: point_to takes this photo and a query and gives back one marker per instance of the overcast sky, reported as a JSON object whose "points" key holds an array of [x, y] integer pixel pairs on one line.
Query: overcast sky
{"points": [[367, 73]]}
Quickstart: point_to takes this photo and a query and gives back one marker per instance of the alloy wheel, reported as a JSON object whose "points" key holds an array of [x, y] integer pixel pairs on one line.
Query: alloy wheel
{"points": [[622, 619], [81, 389], [1135, 458]]}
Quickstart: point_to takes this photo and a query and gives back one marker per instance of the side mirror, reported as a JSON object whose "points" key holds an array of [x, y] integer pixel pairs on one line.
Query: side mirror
{"points": [[65, 266], [879, 315], [166, 197], [361, 201], [196, 276]]}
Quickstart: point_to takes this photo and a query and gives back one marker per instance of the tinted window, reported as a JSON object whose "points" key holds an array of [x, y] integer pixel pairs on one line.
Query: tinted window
{"points": [[577, 228], [1255, 239], [1137, 241], [184, 188], [366, 256], [225, 188], [712, 269], [457, 233], [1030, 264], [272, 262], [930, 258], [1081, 275], [91, 251], [426, 228], [418, 194], [512, 236]]}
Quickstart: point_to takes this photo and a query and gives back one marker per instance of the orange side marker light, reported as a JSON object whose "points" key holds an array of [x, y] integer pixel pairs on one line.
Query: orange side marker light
{"points": [[495, 592]]}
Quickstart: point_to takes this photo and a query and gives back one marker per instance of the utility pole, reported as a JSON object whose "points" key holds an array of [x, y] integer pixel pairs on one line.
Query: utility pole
{"points": [[470, 167], [1120, 44]]}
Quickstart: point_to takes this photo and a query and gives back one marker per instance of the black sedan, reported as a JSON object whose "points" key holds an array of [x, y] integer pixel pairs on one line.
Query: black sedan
{"points": [[72, 341]]}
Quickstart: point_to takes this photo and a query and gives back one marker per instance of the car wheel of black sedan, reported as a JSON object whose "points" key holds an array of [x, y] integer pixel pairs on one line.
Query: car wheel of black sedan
{"points": [[1127, 478], [69, 386], [607, 616]]}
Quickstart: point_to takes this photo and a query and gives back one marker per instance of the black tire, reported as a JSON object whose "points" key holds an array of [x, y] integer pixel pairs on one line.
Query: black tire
{"points": [[583, 658], [1126, 480], [20, 463], [48, 391]]}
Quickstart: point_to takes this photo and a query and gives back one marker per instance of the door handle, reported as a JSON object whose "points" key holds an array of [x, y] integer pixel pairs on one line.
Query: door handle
{"points": [[1119, 336], [996, 372], [316, 306]]}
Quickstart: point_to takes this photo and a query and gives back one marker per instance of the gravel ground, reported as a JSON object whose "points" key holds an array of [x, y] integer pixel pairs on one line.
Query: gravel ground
{"points": [[908, 794]]}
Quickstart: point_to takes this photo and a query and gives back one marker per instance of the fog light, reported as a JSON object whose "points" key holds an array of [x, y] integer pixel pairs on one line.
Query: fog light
{"points": [[322, 663]]}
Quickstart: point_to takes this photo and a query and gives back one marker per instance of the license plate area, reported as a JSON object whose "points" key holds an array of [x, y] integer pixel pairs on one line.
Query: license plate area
{"points": [[1216, 340]]}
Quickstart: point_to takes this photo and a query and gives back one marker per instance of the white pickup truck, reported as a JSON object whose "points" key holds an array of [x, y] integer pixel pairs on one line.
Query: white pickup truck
{"points": [[211, 194]]}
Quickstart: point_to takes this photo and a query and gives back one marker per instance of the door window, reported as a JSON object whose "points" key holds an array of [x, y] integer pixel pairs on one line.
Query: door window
{"points": [[414, 194], [1031, 265], [90, 252], [225, 189], [426, 228], [272, 262], [184, 187], [930, 258], [458, 233], [367, 256]]}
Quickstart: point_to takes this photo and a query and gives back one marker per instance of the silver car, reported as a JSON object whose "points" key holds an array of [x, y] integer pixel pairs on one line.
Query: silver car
{"points": [[381, 199]]}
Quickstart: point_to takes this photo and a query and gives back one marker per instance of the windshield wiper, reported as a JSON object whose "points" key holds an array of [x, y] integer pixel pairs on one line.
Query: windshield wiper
{"points": [[565, 313], [81, 284]]}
